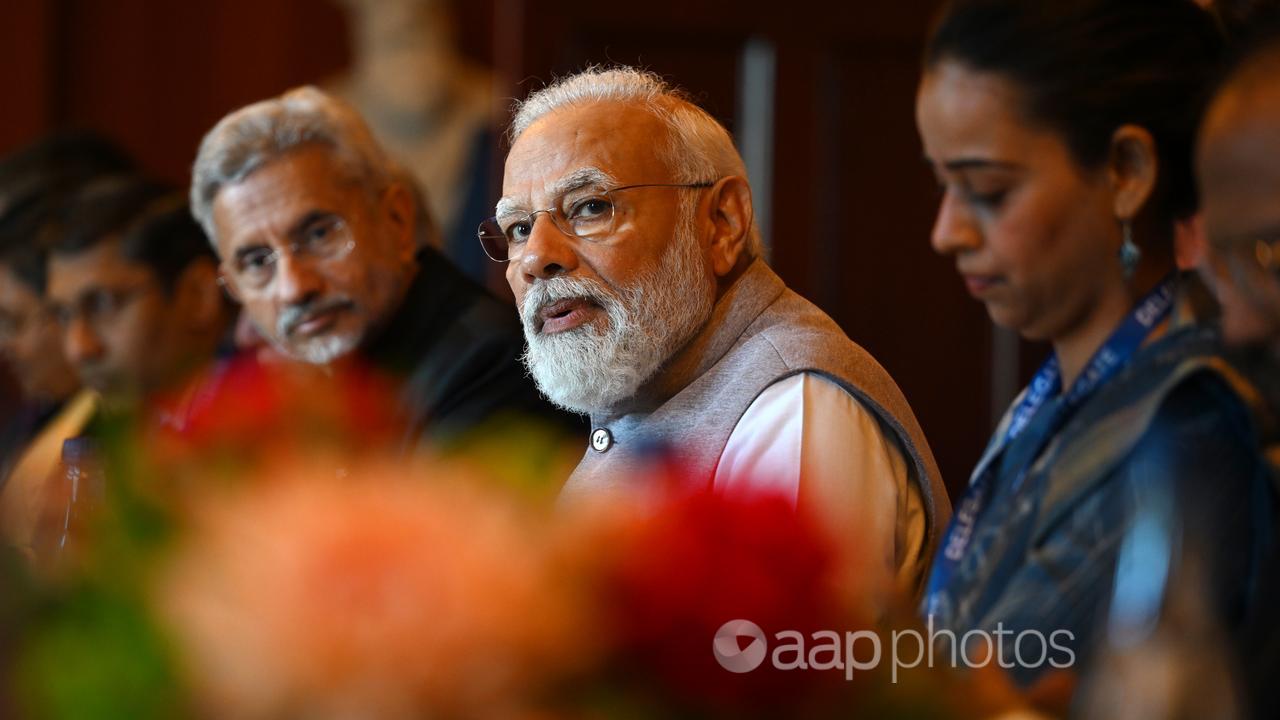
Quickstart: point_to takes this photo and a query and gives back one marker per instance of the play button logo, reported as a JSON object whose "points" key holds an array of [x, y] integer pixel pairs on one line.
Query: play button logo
{"points": [[739, 646]]}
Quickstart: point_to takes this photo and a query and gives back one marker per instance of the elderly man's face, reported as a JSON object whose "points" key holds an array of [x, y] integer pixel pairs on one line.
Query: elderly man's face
{"points": [[1239, 168], [314, 305], [602, 315]]}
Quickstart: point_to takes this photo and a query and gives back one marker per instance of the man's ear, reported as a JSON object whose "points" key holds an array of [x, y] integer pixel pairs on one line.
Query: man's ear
{"points": [[1133, 167], [399, 212], [731, 216], [197, 294]]}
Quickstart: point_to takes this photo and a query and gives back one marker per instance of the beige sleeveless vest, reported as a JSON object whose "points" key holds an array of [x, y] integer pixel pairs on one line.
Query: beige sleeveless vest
{"points": [[759, 333]]}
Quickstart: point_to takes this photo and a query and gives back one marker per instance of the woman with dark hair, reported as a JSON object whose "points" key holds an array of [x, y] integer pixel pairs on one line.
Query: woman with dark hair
{"points": [[1061, 134]]}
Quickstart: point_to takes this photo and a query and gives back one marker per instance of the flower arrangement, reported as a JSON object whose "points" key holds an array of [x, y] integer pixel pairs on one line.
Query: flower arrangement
{"points": [[266, 549]]}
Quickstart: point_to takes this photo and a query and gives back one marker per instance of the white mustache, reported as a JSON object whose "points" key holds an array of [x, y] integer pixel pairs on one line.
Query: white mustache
{"points": [[295, 315], [557, 289]]}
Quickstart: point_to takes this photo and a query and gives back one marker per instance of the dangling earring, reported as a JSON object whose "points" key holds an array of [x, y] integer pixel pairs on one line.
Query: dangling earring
{"points": [[1130, 253]]}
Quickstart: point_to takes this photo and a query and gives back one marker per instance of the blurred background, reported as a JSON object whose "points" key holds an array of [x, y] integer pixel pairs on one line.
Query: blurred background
{"points": [[819, 96]]}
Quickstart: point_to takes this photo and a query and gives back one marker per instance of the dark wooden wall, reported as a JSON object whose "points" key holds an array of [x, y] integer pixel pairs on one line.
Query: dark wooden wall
{"points": [[154, 74], [848, 198]]}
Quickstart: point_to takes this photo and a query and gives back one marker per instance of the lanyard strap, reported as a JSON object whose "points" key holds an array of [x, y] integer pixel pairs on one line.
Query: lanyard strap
{"points": [[1123, 344]]}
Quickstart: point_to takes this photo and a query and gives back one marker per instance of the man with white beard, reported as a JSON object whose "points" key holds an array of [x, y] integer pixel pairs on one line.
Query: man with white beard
{"points": [[316, 232], [647, 305]]}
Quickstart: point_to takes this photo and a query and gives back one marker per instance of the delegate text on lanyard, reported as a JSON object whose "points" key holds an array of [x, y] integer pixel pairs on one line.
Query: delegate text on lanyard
{"points": [[1106, 362]]}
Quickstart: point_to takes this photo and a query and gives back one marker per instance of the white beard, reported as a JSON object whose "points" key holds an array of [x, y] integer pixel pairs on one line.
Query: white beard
{"points": [[323, 350], [592, 368], [320, 350]]}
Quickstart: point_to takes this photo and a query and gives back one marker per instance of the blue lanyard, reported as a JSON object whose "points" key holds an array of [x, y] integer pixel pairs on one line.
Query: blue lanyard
{"points": [[1105, 363]]}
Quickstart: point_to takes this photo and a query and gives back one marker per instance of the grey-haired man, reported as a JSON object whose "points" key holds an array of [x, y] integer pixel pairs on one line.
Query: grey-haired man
{"points": [[646, 303], [315, 231]]}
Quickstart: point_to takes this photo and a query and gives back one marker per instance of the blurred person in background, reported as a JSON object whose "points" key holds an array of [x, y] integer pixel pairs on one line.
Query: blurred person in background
{"points": [[54, 407], [627, 227], [35, 182], [29, 339], [426, 234], [134, 288], [1061, 133], [319, 240], [1242, 216], [1238, 163], [430, 107], [133, 284]]}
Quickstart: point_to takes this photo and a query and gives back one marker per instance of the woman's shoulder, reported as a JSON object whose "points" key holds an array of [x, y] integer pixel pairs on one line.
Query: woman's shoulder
{"points": [[1188, 383], [1205, 395], [1177, 398], [1202, 429], [1182, 377]]}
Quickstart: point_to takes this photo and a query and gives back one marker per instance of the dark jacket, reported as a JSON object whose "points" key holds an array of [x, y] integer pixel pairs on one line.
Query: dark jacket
{"points": [[1261, 660], [456, 348]]}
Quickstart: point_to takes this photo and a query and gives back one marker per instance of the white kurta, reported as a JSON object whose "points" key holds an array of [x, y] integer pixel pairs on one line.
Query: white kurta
{"points": [[809, 440]]}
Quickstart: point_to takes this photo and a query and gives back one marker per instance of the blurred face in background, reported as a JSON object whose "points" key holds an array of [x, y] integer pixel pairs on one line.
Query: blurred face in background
{"points": [[120, 329], [1238, 163], [31, 342], [316, 258], [1033, 234]]}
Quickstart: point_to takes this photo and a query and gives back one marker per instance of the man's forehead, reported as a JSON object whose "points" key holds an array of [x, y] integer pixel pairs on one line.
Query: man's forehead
{"points": [[1238, 162], [1240, 145], [623, 140], [1253, 108], [578, 178], [104, 262], [284, 179], [272, 203]]}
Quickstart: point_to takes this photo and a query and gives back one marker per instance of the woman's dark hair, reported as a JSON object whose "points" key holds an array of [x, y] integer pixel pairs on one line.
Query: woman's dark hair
{"points": [[1086, 67]]}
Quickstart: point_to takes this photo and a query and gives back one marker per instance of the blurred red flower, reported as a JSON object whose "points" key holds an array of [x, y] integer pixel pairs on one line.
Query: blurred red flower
{"points": [[702, 559], [246, 411]]}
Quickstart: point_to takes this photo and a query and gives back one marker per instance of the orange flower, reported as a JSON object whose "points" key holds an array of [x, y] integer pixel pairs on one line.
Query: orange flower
{"points": [[376, 596]]}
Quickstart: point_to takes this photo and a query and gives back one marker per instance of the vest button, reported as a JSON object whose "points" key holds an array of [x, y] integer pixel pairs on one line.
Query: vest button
{"points": [[601, 439]]}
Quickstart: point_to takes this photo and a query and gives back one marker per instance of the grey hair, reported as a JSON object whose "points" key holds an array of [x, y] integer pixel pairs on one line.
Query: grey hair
{"points": [[698, 148], [244, 141]]}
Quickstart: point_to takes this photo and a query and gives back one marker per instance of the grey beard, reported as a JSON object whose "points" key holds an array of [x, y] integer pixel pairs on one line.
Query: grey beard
{"points": [[318, 350], [591, 369], [323, 350]]}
